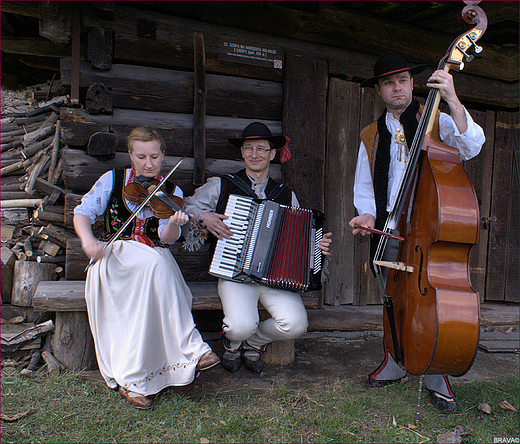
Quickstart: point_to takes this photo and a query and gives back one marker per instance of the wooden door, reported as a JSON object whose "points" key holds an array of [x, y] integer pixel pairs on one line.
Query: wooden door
{"points": [[502, 260]]}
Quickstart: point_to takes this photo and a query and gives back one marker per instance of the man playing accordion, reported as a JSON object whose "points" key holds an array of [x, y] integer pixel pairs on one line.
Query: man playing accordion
{"points": [[245, 336]]}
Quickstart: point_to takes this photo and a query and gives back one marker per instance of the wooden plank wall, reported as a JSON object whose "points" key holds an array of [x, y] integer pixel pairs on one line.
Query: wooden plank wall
{"points": [[152, 83], [480, 172], [305, 94], [342, 268], [502, 266]]}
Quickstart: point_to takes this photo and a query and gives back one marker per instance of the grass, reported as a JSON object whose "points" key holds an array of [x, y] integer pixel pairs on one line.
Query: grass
{"points": [[70, 408]]}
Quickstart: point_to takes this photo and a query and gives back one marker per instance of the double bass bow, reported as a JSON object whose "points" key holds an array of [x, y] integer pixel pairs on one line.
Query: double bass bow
{"points": [[431, 317]]}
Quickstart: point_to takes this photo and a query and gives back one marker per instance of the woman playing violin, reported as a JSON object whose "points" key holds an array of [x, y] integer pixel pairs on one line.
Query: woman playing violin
{"points": [[138, 303]]}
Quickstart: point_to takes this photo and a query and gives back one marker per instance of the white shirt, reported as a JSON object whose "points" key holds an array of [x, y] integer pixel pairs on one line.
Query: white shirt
{"points": [[94, 203], [468, 144]]}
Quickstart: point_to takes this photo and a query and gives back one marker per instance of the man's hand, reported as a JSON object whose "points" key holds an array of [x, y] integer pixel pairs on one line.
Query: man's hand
{"points": [[215, 225], [325, 243], [443, 81], [365, 220]]}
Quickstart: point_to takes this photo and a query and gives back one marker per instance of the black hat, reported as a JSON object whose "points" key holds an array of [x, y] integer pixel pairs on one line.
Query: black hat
{"points": [[258, 130], [391, 64]]}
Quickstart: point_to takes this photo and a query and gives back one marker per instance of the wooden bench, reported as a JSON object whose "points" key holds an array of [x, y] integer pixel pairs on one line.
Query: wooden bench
{"points": [[72, 341]]}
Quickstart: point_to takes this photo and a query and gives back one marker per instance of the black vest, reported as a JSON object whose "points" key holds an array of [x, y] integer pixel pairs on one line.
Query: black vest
{"points": [[117, 212]]}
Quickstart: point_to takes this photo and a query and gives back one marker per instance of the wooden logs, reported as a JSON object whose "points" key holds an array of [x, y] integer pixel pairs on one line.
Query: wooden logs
{"points": [[26, 277], [279, 352], [102, 144], [8, 260], [100, 48], [71, 201], [48, 216], [33, 363], [75, 261], [99, 99], [55, 149], [20, 203], [72, 342], [28, 333], [57, 234]]}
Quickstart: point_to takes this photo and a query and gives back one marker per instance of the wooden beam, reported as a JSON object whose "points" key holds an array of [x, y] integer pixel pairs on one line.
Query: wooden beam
{"points": [[56, 21], [176, 129], [34, 46], [353, 30], [199, 109], [100, 48], [343, 105], [67, 296], [76, 36], [137, 87], [27, 9]]}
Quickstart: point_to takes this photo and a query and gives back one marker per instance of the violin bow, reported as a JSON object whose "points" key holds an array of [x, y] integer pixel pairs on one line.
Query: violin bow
{"points": [[139, 208]]}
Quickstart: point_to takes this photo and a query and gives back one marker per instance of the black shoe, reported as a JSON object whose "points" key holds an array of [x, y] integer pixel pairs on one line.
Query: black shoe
{"points": [[371, 382], [232, 361], [252, 360], [442, 403]]}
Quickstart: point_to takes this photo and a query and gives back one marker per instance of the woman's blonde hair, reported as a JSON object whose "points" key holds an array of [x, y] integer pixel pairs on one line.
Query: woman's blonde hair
{"points": [[145, 134]]}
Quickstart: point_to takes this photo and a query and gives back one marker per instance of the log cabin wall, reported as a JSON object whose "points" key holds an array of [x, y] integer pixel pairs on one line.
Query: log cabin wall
{"points": [[201, 71]]}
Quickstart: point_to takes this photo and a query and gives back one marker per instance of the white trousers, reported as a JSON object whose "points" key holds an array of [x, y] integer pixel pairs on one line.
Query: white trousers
{"points": [[242, 321]]}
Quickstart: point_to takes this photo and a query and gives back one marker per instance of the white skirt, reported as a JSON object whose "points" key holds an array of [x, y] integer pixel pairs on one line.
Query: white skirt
{"points": [[139, 310]]}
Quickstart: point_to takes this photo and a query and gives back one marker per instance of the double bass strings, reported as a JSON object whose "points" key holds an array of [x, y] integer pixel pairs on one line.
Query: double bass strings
{"points": [[393, 218]]}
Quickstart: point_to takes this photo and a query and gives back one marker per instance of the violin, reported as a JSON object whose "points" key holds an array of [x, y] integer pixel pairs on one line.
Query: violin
{"points": [[162, 204]]}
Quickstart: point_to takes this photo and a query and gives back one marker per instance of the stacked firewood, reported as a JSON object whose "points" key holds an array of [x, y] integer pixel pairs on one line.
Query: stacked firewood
{"points": [[35, 229]]}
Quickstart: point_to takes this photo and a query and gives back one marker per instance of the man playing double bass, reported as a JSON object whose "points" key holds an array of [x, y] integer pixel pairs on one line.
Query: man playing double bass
{"points": [[377, 178]]}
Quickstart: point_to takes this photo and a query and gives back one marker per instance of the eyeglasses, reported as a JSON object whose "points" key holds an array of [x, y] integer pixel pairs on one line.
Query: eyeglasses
{"points": [[259, 149]]}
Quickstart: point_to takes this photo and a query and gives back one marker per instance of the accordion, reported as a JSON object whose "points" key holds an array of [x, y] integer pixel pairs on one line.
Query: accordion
{"points": [[272, 244]]}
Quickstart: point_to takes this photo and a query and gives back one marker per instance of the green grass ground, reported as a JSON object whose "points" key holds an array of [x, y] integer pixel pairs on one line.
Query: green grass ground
{"points": [[70, 408]]}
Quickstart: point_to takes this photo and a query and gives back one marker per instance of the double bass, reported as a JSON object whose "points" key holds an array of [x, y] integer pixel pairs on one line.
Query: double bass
{"points": [[431, 316]]}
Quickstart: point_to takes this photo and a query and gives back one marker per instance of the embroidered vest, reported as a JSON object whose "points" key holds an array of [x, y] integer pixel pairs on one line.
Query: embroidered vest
{"points": [[117, 213], [370, 137]]}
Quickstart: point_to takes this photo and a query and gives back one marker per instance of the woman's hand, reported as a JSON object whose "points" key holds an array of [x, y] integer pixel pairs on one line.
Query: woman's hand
{"points": [[89, 244], [179, 218], [93, 249], [171, 231]]}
